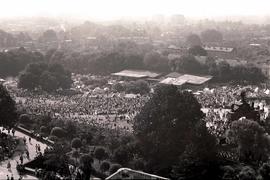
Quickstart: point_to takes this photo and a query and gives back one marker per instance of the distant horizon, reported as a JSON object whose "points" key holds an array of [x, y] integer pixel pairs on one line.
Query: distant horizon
{"points": [[233, 18], [107, 10]]}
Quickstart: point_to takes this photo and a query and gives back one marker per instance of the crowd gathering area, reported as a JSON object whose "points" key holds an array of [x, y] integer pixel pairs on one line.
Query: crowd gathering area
{"points": [[104, 107], [100, 105], [99, 108]]}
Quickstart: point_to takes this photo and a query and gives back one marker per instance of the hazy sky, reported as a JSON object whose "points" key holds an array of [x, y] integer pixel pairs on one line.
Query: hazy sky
{"points": [[109, 9]]}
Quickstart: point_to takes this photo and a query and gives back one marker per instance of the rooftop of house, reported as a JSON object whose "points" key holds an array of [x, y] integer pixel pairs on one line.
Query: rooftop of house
{"points": [[219, 49]]}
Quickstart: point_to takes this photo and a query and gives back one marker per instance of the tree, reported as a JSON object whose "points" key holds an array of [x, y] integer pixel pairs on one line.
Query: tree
{"points": [[197, 51], [193, 40], [252, 142], [25, 119], [71, 128], [43, 130], [56, 159], [100, 153], [264, 170], [48, 36], [86, 159], [122, 155], [8, 112], [28, 80], [76, 155], [58, 132], [254, 74], [105, 166], [48, 77], [200, 159], [86, 166], [211, 35], [247, 173], [137, 87], [118, 87], [155, 61], [133, 61], [211, 65], [114, 168], [87, 135], [138, 164], [6, 39], [165, 122], [48, 81], [76, 143], [188, 64], [14, 61], [229, 173], [223, 71], [62, 76]]}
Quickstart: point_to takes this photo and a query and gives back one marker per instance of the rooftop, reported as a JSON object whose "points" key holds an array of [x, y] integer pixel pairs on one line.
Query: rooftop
{"points": [[136, 74], [126, 173], [186, 78], [192, 79], [173, 81], [219, 49]]}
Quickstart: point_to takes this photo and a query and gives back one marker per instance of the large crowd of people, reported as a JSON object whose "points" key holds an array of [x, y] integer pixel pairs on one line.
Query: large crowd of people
{"points": [[109, 109], [217, 103]]}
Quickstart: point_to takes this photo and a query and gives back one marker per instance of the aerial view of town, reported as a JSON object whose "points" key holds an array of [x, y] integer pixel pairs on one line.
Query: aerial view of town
{"points": [[133, 89]]}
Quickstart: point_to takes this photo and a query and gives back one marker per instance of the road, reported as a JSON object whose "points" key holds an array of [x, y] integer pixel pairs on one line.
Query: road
{"points": [[31, 146]]}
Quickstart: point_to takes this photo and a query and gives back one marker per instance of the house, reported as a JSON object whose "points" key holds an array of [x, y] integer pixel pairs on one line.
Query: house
{"points": [[232, 62], [221, 52]]}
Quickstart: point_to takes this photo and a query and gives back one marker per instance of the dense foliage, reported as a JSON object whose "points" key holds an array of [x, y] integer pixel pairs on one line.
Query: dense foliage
{"points": [[193, 40], [165, 122], [48, 77], [135, 87], [211, 36], [8, 114], [197, 51], [14, 61]]}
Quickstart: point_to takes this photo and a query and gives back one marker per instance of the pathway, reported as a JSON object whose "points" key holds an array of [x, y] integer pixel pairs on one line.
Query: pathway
{"points": [[32, 153]]}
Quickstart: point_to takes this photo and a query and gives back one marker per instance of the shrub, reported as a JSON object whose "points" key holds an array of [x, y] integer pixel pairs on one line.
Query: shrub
{"points": [[100, 153], [76, 143], [105, 166], [114, 168], [58, 132]]}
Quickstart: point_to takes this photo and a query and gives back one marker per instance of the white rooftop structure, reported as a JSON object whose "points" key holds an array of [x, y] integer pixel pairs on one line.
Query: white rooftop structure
{"points": [[186, 78], [126, 173], [220, 49], [173, 81], [192, 79], [136, 74]]}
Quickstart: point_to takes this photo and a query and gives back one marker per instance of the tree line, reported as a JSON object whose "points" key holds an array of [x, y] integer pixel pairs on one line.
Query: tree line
{"points": [[48, 77], [14, 61], [105, 63]]}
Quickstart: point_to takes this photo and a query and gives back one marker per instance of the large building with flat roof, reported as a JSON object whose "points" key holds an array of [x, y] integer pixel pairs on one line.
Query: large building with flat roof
{"points": [[186, 79], [221, 52], [136, 74]]}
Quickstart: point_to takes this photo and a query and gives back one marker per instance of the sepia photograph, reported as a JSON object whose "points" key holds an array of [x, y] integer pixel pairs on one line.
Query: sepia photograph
{"points": [[134, 89]]}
